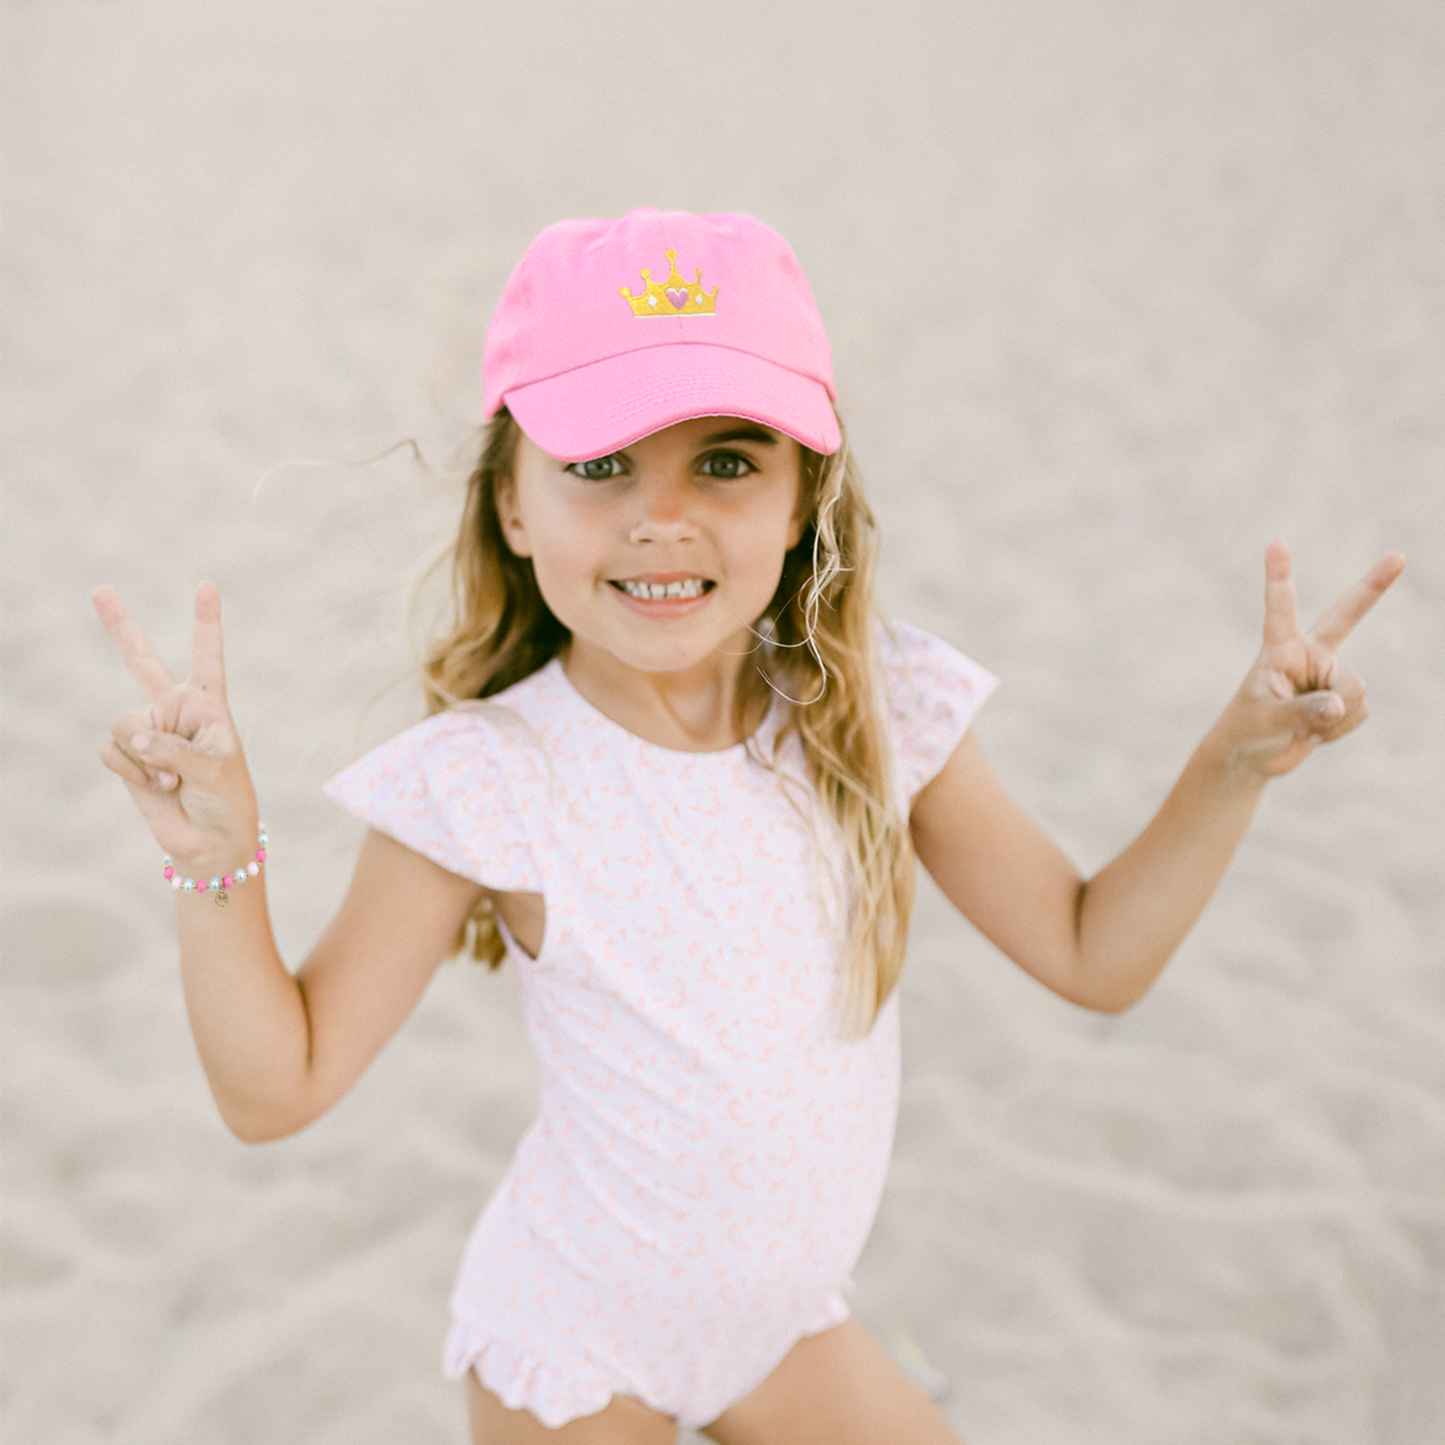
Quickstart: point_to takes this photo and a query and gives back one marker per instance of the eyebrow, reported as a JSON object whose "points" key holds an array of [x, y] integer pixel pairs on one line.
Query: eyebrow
{"points": [[741, 434]]}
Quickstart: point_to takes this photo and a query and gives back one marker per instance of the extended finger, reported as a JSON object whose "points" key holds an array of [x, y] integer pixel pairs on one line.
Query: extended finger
{"points": [[1337, 622], [133, 645], [208, 669], [1281, 620]]}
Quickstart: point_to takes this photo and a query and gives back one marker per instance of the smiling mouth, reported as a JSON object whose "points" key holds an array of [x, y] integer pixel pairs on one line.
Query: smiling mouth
{"points": [[659, 591]]}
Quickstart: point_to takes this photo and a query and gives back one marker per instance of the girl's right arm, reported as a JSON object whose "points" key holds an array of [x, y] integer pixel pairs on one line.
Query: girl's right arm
{"points": [[278, 1050]]}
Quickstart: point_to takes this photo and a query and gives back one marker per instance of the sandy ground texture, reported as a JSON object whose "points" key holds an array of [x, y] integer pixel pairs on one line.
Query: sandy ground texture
{"points": [[1118, 292]]}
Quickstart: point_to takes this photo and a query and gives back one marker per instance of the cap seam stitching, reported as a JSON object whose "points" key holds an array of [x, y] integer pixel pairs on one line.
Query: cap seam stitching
{"points": [[715, 345]]}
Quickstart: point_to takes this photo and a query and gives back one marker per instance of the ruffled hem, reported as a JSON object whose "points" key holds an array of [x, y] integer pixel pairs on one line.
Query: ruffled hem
{"points": [[559, 1388], [555, 1391]]}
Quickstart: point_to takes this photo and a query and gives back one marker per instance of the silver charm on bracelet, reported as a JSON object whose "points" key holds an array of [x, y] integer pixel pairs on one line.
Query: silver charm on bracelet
{"points": [[222, 884]]}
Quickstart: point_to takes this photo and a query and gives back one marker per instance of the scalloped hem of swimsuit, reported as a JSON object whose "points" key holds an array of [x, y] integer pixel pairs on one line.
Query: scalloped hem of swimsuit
{"points": [[554, 1392]]}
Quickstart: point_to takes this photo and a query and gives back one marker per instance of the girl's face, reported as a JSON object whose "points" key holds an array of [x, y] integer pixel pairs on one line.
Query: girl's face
{"points": [[665, 553]]}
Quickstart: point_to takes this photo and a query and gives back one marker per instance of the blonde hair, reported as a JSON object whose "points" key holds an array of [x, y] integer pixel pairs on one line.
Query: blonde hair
{"points": [[818, 648]]}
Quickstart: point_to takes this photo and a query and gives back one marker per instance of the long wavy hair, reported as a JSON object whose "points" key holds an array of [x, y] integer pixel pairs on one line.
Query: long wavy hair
{"points": [[817, 647]]}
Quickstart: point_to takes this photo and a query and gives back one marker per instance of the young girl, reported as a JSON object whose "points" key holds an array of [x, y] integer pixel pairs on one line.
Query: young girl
{"points": [[677, 771]]}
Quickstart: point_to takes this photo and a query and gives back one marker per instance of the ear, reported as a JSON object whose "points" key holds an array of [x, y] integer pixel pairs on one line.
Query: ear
{"points": [[509, 516]]}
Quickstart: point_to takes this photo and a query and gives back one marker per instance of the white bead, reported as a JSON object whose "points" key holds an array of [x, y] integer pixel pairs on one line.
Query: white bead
{"points": [[253, 869]]}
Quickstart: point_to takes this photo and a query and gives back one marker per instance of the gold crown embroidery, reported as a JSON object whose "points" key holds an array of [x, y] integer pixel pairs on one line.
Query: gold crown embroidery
{"points": [[675, 297]]}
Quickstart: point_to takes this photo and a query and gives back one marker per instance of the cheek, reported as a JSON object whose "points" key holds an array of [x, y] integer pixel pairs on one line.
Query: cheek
{"points": [[565, 559], [777, 538], [758, 553]]}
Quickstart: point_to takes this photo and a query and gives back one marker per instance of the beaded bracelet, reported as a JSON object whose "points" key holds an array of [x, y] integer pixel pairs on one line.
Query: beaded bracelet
{"points": [[225, 881]]}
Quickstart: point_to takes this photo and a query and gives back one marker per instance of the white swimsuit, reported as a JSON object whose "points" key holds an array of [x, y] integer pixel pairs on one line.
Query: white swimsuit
{"points": [[710, 1153]]}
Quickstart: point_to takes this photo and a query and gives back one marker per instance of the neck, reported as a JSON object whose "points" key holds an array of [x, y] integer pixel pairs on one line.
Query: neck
{"points": [[693, 710]]}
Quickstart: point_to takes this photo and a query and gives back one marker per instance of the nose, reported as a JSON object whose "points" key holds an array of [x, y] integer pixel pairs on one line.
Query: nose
{"points": [[664, 512]]}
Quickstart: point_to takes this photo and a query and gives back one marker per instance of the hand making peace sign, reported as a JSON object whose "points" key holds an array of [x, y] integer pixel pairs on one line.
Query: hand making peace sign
{"points": [[1298, 693], [182, 759], [180, 756]]}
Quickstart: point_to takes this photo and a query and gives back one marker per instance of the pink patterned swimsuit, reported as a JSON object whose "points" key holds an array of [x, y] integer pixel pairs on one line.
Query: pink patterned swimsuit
{"points": [[709, 1154]]}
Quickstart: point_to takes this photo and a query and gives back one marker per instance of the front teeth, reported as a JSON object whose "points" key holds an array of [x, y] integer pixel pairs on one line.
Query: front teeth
{"points": [[651, 591]]}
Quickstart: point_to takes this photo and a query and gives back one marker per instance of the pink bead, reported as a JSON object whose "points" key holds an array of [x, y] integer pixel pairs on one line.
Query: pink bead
{"points": [[228, 881], [170, 873], [252, 869], [260, 855], [201, 885], [175, 882]]}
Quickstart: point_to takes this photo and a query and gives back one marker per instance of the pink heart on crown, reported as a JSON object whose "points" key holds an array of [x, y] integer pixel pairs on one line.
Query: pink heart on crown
{"points": [[678, 296]]}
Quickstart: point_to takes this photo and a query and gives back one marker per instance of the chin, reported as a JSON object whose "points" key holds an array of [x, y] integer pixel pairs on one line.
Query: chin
{"points": [[663, 659]]}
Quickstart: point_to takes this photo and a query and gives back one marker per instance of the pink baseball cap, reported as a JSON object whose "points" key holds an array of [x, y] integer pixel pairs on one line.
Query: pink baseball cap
{"points": [[610, 330]]}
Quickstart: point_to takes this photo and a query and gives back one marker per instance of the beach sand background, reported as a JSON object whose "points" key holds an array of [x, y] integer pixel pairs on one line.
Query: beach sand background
{"points": [[1118, 291]]}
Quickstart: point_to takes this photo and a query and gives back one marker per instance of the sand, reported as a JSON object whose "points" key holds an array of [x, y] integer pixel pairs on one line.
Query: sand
{"points": [[1118, 292]]}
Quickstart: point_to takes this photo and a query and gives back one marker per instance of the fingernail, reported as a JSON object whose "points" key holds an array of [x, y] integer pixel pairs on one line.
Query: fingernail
{"points": [[166, 780], [141, 742]]}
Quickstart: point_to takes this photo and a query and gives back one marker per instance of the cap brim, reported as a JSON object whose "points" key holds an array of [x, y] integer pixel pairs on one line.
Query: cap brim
{"points": [[607, 405]]}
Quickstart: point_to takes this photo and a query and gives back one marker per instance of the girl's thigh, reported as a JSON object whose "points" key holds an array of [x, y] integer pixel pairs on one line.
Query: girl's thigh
{"points": [[837, 1388], [623, 1422]]}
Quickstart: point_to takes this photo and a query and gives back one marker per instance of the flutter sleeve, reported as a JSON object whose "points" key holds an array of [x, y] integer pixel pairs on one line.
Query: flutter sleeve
{"points": [[933, 694], [452, 788]]}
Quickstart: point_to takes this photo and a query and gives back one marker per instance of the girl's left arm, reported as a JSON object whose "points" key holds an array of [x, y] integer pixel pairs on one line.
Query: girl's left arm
{"points": [[1102, 942]]}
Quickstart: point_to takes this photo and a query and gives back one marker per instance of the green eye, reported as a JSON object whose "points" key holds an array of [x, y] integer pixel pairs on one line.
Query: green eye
{"points": [[726, 465], [599, 469]]}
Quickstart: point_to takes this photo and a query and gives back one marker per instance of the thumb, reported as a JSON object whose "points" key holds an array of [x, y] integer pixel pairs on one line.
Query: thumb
{"points": [[1317, 711], [171, 753]]}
